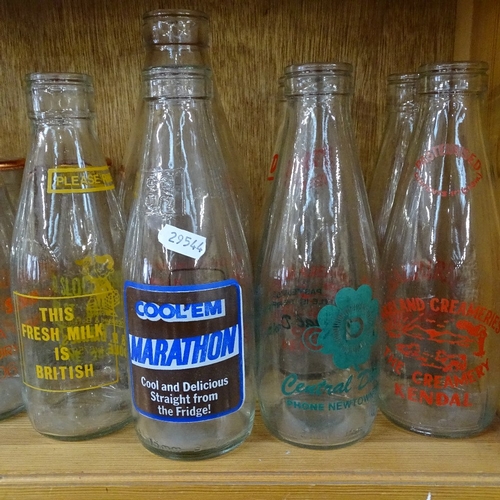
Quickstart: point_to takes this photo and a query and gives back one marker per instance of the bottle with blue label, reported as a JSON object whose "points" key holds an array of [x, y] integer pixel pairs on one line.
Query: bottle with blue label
{"points": [[188, 285], [317, 291], [172, 38]]}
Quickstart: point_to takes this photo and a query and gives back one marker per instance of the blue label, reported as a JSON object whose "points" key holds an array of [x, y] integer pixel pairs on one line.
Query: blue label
{"points": [[185, 350]]}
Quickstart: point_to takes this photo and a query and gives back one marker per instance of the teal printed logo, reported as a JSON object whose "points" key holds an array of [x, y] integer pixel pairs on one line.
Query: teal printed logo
{"points": [[346, 329]]}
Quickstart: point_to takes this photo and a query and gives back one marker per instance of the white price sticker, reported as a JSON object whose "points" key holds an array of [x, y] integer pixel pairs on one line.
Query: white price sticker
{"points": [[181, 241]]}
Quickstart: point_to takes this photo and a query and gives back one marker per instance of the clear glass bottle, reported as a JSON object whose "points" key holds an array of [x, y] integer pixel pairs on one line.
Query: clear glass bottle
{"points": [[317, 295], [401, 114], [66, 275], [10, 379], [11, 172], [440, 374], [182, 38], [188, 281], [280, 124]]}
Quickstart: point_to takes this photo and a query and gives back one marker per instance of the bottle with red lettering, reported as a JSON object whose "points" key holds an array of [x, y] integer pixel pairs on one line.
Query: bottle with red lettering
{"points": [[280, 124], [66, 268], [318, 294], [181, 37], [401, 113], [441, 262], [10, 379], [188, 284]]}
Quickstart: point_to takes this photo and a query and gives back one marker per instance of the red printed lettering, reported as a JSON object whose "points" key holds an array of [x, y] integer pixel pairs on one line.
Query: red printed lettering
{"points": [[431, 398]]}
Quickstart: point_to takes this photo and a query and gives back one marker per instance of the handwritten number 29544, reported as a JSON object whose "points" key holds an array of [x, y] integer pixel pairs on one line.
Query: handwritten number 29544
{"points": [[185, 241]]}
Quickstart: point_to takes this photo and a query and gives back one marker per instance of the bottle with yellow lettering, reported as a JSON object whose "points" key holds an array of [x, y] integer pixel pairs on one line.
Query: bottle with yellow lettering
{"points": [[188, 285], [10, 380], [441, 369], [66, 268]]}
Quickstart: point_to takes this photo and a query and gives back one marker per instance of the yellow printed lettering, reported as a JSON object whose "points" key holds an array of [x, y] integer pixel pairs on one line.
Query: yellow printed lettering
{"points": [[64, 372], [61, 353], [117, 350], [77, 179], [87, 333], [40, 333], [56, 313], [69, 314], [89, 370], [49, 372]]}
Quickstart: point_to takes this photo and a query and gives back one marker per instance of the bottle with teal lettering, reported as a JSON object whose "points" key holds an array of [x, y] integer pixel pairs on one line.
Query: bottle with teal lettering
{"points": [[66, 269], [188, 285], [317, 294]]}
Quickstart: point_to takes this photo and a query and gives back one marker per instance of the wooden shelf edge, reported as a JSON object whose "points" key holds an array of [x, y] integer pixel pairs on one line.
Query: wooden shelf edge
{"points": [[390, 462]]}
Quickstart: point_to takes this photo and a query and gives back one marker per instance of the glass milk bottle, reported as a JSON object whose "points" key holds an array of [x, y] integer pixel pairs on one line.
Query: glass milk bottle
{"points": [[318, 293], [10, 377], [176, 38], [188, 284], [66, 268], [401, 114], [441, 370]]}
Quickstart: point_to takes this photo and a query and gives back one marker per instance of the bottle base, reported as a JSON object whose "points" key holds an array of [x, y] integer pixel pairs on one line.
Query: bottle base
{"points": [[165, 452], [12, 412], [435, 432], [318, 431], [91, 435], [317, 446], [11, 401], [80, 415]]}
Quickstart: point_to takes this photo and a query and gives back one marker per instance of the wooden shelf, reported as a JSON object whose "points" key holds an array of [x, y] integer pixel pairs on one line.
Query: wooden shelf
{"points": [[389, 463]]}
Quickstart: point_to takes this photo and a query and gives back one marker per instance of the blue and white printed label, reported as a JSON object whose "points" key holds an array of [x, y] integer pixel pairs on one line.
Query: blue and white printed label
{"points": [[186, 350]]}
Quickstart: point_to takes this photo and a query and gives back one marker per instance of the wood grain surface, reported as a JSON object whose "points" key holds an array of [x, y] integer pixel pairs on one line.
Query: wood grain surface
{"points": [[252, 42], [389, 463], [479, 39]]}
